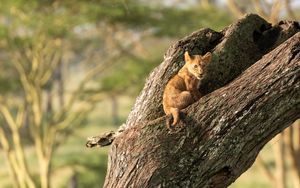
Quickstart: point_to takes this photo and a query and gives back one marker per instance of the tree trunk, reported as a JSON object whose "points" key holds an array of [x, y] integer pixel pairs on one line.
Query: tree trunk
{"points": [[220, 135], [73, 181], [293, 152], [280, 161]]}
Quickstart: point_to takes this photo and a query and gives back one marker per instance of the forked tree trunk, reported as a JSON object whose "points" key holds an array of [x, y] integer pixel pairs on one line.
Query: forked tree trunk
{"points": [[219, 136]]}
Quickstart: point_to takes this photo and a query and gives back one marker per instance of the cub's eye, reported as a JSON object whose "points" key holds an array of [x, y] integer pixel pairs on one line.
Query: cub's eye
{"points": [[195, 66]]}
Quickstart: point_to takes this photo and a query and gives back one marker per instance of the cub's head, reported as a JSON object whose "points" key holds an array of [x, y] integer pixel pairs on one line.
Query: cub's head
{"points": [[196, 64]]}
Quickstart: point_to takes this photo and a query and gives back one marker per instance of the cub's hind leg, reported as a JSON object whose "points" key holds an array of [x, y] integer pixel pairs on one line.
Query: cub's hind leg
{"points": [[175, 115], [181, 101]]}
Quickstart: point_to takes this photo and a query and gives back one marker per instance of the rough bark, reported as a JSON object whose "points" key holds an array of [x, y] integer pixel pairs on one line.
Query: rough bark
{"points": [[234, 49], [221, 134]]}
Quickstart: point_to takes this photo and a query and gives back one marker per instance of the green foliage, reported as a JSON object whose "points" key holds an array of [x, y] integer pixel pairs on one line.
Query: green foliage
{"points": [[8, 85], [166, 21], [128, 76], [59, 18], [33, 17], [88, 167]]}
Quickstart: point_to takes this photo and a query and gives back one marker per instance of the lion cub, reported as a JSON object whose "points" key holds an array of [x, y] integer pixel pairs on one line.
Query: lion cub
{"points": [[182, 90]]}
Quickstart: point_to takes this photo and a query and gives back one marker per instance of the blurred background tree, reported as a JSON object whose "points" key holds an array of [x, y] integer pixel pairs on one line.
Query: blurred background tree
{"points": [[68, 63]]}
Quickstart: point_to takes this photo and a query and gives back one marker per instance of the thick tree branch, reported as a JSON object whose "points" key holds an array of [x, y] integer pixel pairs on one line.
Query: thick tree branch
{"points": [[235, 49], [221, 134]]}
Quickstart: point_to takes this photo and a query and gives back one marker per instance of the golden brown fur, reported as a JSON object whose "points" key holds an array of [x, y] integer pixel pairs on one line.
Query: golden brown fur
{"points": [[182, 89]]}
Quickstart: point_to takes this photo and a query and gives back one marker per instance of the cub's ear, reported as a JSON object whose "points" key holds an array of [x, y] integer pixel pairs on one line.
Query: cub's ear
{"points": [[187, 56], [207, 57]]}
